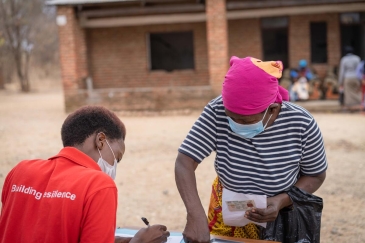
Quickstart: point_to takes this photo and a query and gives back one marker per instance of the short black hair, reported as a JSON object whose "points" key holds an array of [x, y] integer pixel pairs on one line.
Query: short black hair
{"points": [[88, 120], [348, 49]]}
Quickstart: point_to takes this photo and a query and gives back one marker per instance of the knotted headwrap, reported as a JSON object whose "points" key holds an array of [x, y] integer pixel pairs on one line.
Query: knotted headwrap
{"points": [[251, 85]]}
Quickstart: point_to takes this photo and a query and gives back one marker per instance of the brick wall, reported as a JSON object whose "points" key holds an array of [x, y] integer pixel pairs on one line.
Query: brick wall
{"points": [[217, 40], [299, 40], [245, 38], [119, 57], [143, 99], [72, 51]]}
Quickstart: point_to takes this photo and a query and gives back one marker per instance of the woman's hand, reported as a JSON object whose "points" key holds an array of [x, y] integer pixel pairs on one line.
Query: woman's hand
{"points": [[152, 234], [309, 184], [268, 214], [196, 229]]}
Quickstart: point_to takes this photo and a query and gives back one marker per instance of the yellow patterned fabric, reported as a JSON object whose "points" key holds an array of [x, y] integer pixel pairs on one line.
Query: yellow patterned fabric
{"points": [[215, 218]]}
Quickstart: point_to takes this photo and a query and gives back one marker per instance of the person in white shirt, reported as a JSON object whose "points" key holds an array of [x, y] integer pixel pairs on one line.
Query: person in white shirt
{"points": [[348, 80]]}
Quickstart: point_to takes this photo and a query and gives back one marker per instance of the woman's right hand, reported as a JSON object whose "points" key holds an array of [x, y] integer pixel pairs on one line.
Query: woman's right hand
{"points": [[196, 230], [152, 234]]}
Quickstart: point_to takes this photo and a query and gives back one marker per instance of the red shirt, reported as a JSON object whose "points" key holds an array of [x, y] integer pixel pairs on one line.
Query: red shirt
{"points": [[66, 198]]}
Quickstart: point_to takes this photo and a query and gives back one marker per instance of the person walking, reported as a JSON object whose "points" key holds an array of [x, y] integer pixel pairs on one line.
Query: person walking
{"points": [[348, 80], [360, 71]]}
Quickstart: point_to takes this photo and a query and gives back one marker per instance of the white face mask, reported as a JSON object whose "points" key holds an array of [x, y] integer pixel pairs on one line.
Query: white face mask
{"points": [[106, 167]]}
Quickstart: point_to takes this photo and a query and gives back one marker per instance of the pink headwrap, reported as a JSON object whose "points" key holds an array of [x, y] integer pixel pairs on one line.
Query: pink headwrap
{"points": [[249, 88]]}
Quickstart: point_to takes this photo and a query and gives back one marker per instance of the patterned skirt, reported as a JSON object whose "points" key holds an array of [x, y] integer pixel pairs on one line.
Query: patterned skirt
{"points": [[215, 218]]}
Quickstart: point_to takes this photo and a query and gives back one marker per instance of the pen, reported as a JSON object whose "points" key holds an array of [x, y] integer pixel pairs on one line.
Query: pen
{"points": [[145, 221]]}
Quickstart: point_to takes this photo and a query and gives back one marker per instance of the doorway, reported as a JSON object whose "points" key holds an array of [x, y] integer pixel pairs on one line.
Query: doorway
{"points": [[352, 33], [274, 32]]}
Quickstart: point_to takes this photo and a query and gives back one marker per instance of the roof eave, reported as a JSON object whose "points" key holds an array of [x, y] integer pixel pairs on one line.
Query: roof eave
{"points": [[82, 2]]}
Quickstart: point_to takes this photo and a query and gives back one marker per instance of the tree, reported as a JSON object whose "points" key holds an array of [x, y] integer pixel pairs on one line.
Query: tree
{"points": [[2, 42], [16, 22]]}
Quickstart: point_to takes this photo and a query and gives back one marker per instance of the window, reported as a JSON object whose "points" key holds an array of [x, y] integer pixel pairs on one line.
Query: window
{"points": [[318, 32], [274, 32], [352, 32], [350, 18], [171, 51]]}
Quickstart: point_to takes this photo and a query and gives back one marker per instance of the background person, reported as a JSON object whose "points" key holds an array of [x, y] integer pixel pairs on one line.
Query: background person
{"points": [[71, 197], [348, 80], [264, 146], [360, 72], [300, 88], [304, 70], [294, 76]]}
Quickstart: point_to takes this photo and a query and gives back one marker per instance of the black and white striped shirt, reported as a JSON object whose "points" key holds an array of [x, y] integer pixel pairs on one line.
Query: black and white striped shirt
{"points": [[268, 164]]}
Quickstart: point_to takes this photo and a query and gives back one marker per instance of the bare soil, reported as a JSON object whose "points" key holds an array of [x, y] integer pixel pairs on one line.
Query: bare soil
{"points": [[30, 128]]}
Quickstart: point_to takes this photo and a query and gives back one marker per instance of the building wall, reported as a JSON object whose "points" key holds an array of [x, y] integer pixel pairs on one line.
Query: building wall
{"points": [[73, 54], [217, 41], [119, 58], [245, 38], [299, 40]]}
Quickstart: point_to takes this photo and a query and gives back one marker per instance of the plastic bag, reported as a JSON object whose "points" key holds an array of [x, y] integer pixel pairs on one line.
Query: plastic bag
{"points": [[301, 223]]}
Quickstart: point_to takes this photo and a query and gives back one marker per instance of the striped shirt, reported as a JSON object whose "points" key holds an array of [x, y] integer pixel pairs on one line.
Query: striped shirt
{"points": [[268, 164]]}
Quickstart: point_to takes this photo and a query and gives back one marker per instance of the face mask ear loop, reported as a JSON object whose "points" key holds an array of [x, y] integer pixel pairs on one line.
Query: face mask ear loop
{"points": [[265, 115], [115, 159], [267, 121], [99, 153]]}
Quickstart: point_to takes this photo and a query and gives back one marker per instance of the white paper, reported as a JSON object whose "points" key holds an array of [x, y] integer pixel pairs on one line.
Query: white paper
{"points": [[174, 239], [236, 218], [170, 239], [123, 235]]}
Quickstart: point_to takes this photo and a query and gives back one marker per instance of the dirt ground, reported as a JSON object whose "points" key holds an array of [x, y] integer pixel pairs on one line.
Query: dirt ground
{"points": [[30, 128]]}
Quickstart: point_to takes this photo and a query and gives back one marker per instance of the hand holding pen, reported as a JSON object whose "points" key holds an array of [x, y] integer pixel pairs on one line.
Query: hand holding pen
{"points": [[152, 234]]}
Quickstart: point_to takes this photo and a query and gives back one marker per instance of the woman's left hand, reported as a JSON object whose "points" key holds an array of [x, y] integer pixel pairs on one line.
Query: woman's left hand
{"points": [[268, 214]]}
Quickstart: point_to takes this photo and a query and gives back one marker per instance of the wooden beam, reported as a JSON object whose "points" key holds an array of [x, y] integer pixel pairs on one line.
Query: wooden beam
{"points": [[282, 3], [164, 1], [86, 2], [103, 2], [180, 8], [233, 14], [144, 20], [298, 10]]}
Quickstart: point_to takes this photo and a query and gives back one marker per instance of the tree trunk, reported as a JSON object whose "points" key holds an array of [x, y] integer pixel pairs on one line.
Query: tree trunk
{"points": [[1, 79], [25, 84], [22, 71], [26, 73]]}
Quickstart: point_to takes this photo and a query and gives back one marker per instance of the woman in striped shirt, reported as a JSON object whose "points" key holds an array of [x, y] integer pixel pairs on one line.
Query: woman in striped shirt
{"points": [[264, 147]]}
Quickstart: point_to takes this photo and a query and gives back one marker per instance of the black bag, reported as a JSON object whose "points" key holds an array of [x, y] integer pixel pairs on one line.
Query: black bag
{"points": [[301, 223]]}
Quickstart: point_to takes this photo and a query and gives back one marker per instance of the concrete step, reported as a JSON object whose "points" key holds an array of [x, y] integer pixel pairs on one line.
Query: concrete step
{"points": [[320, 105]]}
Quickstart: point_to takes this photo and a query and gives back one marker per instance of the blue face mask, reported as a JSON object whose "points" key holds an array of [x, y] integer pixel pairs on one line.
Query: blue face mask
{"points": [[248, 131]]}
